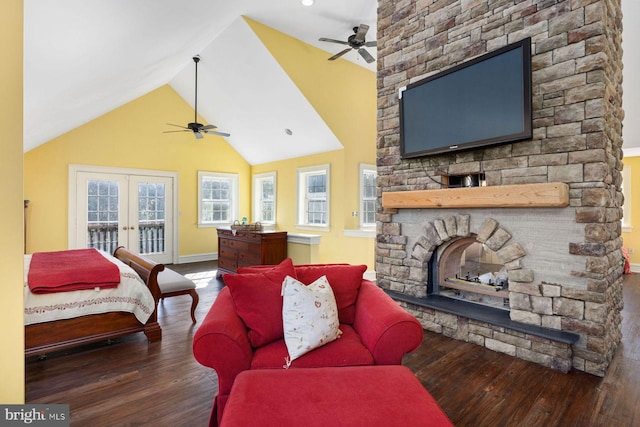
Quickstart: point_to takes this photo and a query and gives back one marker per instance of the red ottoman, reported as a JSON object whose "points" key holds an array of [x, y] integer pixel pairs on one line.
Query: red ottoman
{"points": [[366, 396]]}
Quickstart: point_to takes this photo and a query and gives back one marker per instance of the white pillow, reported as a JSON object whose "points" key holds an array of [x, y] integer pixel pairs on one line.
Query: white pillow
{"points": [[309, 316]]}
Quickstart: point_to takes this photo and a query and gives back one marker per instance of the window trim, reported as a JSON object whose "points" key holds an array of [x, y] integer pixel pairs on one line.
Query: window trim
{"points": [[235, 197], [302, 173], [362, 169], [626, 192], [257, 205]]}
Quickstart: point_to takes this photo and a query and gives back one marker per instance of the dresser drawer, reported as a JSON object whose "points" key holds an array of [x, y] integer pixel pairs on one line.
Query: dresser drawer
{"points": [[248, 258], [227, 264], [249, 237], [238, 245], [227, 252]]}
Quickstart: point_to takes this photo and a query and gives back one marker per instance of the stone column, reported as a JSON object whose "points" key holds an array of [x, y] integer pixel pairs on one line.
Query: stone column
{"points": [[577, 128]]}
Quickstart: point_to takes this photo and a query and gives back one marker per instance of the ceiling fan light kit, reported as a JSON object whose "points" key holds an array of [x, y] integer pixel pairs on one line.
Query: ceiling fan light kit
{"points": [[355, 41], [197, 128]]}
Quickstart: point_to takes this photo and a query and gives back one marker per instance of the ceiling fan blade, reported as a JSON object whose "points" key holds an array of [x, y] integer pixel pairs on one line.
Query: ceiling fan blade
{"points": [[198, 135], [172, 131], [366, 55], [207, 127], [210, 132], [183, 127], [371, 44], [339, 54], [362, 31], [322, 39]]}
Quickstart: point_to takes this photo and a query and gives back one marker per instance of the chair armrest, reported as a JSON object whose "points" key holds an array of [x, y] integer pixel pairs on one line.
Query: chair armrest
{"points": [[221, 342], [386, 329]]}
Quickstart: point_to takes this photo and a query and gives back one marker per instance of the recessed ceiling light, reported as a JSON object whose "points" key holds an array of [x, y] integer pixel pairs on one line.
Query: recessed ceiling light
{"points": [[307, 2]]}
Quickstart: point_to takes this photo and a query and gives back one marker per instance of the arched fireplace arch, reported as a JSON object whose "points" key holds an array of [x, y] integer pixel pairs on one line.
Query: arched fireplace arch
{"points": [[444, 240]]}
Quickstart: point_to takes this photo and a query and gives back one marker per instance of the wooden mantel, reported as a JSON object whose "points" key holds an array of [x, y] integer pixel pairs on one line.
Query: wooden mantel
{"points": [[552, 194]]}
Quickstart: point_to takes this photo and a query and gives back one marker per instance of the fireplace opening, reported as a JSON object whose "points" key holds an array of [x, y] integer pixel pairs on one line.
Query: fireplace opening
{"points": [[468, 270]]}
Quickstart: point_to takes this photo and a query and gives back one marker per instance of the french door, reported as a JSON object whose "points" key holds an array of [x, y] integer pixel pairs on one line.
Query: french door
{"points": [[134, 209]]}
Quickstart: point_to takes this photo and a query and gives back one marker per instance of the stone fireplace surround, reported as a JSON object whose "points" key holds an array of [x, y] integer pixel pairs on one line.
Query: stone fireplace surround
{"points": [[536, 263], [569, 279]]}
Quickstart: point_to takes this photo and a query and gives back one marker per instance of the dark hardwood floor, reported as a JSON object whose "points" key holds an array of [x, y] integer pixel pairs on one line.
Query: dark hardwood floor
{"points": [[132, 383]]}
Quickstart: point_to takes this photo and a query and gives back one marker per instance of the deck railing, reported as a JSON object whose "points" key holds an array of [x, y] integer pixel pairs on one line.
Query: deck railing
{"points": [[104, 237]]}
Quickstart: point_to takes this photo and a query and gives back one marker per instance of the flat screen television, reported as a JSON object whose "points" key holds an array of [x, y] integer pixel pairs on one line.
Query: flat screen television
{"points": [[484, 101]]}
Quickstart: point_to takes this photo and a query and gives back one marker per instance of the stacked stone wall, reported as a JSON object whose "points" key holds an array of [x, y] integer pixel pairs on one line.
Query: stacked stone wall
{"points": [[577, 138]]}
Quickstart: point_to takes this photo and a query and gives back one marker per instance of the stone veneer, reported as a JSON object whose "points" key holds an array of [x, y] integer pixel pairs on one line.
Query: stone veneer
{"points": [[577, 139]]}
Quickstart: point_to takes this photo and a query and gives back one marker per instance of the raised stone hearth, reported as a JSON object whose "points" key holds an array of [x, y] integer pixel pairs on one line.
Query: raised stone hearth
{"points": [[563, 259]]}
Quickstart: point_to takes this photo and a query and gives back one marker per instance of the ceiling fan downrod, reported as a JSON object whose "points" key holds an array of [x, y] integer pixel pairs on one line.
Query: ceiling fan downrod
{"points": [[197, 128], [196, 59]]}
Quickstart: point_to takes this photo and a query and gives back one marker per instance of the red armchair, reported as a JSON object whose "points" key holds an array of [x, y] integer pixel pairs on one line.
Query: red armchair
{"points": [[237, 334]]}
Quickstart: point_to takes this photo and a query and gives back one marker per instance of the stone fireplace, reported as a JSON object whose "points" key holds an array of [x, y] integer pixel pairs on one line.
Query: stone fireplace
{"points": [[549, 215]]}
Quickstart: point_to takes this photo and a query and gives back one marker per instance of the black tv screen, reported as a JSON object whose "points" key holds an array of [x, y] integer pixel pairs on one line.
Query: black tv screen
{"points": [[484, 101]]}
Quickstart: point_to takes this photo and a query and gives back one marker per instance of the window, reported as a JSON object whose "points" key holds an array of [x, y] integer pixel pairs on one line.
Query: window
{"points": [[264, 198], [217, 198], [313, 196], [368, 175]]}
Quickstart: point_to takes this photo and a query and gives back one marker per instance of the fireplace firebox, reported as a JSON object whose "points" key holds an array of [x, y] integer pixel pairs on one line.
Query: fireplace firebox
{"points": [[469, 270]]}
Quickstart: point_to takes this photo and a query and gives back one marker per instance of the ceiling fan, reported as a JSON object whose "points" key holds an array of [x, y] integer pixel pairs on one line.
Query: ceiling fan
{"points": [[197, 128], [355, 41]]}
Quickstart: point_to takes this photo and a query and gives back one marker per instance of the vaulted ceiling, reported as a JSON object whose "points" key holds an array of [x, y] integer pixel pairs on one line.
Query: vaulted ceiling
{"points": [[84, 58]]}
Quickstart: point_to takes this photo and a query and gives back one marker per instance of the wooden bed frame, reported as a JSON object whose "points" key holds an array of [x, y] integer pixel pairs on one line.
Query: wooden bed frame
{"points": [[46, 337]]}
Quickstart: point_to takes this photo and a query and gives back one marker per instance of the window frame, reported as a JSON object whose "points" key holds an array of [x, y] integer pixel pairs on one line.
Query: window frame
{"points": [[302, 175], [234, 197], [257, 197], [363, 169]]}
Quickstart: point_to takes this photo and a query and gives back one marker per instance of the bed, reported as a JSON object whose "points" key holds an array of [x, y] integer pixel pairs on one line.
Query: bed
{"points": [[74, 326]]}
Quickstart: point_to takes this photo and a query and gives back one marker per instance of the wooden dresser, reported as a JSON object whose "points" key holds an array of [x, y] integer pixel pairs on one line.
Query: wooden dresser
{"points": [[245, 248]]}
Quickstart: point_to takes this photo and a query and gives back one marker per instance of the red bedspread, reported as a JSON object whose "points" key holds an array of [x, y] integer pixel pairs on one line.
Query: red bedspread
{"points": [[71, 270]]}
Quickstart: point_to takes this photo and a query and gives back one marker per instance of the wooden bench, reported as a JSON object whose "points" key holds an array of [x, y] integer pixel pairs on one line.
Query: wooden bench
{"points": [[173, 284]]}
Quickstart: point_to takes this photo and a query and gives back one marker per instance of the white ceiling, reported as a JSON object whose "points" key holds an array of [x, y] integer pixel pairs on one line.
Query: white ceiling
{"points": [[84, 58]]}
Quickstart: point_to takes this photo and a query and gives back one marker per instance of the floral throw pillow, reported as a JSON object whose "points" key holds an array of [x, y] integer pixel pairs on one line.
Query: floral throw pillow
{"points": [[309, 316]]}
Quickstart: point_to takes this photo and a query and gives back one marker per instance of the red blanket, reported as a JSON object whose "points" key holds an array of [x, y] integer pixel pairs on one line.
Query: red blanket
{"points": [[71, 270]]}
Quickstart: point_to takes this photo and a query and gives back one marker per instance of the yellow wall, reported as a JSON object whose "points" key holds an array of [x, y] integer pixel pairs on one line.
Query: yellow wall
{"points": [[344, 95], [631, 240], [334, 246], [11, 208], [129, 137]]}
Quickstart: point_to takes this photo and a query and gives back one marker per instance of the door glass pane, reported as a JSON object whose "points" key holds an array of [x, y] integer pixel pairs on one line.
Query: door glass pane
{"points": [[102, 215], [151, 209]]}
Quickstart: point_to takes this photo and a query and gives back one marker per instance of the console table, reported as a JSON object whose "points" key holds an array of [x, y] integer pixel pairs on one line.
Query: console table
{"points": [[238, 248]]}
